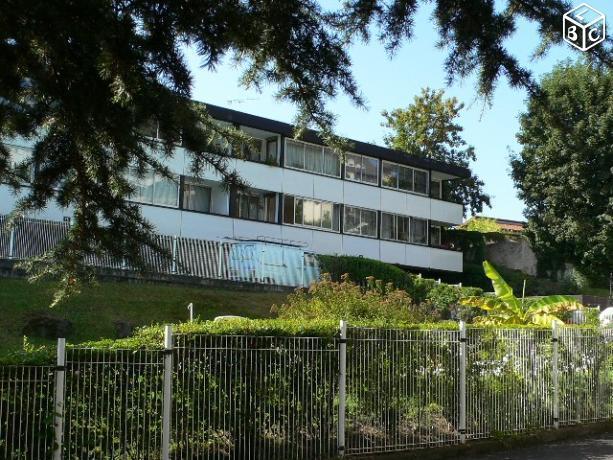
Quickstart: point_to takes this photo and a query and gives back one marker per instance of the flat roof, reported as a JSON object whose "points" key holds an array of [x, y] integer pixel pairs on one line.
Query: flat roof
{"points": [[364, 148]]}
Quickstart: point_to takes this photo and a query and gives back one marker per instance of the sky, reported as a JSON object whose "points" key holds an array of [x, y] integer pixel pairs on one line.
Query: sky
{"points": [[388, 83]]}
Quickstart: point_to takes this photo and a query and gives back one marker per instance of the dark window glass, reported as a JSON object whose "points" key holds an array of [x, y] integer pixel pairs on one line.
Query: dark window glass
{"points": [[288, 209], [421, 181]]}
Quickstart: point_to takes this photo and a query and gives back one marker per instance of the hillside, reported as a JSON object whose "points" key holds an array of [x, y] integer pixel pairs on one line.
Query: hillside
{"points": [[96, 312]]}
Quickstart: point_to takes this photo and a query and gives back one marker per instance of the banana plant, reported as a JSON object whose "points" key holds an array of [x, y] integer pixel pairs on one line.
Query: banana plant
{"points": [[505, 308]]}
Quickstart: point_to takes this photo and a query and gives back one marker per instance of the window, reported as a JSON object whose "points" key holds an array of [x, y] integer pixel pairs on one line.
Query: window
{"points": [[436, 189], [405, 178], [311, 213], [390, 175], [196, 196], [153, 188], [394, 227], [360, 168], [261, 150], [359, 221], [310, 157], [419, 231], [435, 235], [255, 205]]}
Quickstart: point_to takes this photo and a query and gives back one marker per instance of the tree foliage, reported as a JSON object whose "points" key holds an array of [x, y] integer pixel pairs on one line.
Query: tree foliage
{"points": [[563, 169], [505, 308], [482, 225], [428, 128], [81, 78]]}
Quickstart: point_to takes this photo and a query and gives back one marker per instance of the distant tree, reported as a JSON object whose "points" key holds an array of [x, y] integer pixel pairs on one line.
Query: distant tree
{"points": [[81, 78], [482, 225], [563, 171], [428, 128]]}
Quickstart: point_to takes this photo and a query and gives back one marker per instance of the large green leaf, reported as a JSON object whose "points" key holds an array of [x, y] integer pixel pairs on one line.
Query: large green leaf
{"points": [[503, 291], [554, 304]]}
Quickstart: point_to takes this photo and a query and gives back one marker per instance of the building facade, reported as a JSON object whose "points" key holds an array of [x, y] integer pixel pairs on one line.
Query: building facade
{"points": [[375, 202]]}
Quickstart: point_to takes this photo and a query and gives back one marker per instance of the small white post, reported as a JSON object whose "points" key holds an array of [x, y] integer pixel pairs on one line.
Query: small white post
{"points": [[167, 401], [190, 308], [554, 375], [219, 261], [58, 416], [342, 387], [463, 340], [12, 243], [174, 254]]}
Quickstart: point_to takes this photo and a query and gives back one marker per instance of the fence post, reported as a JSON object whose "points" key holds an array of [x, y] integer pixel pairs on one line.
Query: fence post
{"points": [[342, 387], [219, 259], [58, 415], [167, 401], [12, 243], [174, 254], [462, 421], [554, 375]]}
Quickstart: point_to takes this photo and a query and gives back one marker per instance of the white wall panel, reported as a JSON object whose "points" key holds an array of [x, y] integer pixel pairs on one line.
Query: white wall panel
{"points": [[363, 196], [260, 176], [166, 220], [393, 201], [327, 242], [417, 256], [252, 230], [298, 235], [418, 206], [357, 246], [446, 260], [445, 211], [298, 183], [393, 253], [328, 188]]}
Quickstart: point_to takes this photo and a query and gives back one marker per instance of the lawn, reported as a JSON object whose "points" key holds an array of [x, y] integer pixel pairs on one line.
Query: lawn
{"points": [[95, 311]]}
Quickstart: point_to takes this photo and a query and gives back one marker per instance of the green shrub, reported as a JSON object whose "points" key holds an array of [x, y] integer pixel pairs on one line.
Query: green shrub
{"points": [[360, 268], [327, 299]]}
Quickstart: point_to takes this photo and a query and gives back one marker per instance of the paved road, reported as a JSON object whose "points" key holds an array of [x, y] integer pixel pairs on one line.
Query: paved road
{"points": [[598, 448]]}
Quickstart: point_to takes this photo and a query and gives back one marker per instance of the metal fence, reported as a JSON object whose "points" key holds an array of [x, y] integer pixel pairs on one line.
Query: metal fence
{"points": [[256, 261], [366, 391]]}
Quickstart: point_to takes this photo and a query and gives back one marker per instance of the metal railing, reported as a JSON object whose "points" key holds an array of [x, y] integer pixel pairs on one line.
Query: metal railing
{"points": [[259, 262], [366, 391]]}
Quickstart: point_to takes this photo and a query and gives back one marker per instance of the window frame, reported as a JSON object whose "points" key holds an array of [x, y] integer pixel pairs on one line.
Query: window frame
{"points": [[195, 182], [155, 175], [323, 148], [297, 198], [361, 169], [413, 169], [345, 232]]}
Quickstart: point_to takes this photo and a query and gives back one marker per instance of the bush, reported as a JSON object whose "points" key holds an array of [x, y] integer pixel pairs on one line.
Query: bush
{"points": [[327, 299], [360, 268]]}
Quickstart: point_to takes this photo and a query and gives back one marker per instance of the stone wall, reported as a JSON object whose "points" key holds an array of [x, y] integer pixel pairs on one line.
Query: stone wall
{"points": [[514, 252]]}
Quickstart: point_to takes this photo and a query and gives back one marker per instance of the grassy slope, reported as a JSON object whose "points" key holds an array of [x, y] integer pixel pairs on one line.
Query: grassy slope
{"points": [[94, 311]]}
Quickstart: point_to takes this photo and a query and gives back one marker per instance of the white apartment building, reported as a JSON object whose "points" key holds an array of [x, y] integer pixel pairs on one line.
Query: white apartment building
{"points": [[379, 203]]}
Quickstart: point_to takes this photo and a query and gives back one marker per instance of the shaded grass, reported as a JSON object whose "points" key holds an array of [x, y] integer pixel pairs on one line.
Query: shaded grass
{"points": [[94, 312]]}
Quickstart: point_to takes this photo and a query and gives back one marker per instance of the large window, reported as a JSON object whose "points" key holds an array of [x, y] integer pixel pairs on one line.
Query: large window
{"points": [[394, 227], [404, 178], [361, 168], [152, 188], [360, 221], [255, 205], [311, 157], [311, 213], [262, 150], [196, 196], [404, 228], [419, 231]]}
